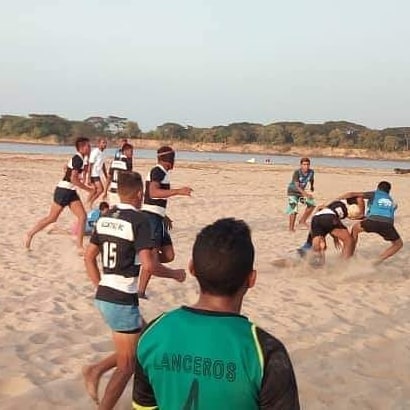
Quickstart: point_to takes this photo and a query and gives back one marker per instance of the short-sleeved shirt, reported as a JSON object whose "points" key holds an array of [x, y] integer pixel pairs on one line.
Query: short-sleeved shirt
{"points": [[156, 205], [120, 235], [118, 165], [302, 180], [76, 163], [195, 359], [97, 162]]}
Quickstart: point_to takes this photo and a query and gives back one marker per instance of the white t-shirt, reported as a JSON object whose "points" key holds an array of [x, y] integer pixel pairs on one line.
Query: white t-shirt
{"points": [[97, 161]]}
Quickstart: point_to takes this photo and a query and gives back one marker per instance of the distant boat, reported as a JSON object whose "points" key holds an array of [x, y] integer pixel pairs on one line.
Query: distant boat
{"points": [[251, 160]]}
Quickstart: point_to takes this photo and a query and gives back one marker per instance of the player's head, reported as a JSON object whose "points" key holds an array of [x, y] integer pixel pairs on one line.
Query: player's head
{"points": [[384, 186], [82, 145], [122, 141], [102, 143], [104, 207], [222, 258], [130, 187], [305, 162], [166, 156], [127, 150]]}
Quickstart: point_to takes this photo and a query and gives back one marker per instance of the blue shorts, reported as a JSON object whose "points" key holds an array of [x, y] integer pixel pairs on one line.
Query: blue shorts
{"points": [[160, 233], [294, 201], [120, 318]]}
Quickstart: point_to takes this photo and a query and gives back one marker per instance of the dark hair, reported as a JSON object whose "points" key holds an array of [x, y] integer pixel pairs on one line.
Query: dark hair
{"points": [[304, 159], [166, 154], [384, 186], [223, 256], [126, 147], [129, 183], [103, 205], [80, 141]]}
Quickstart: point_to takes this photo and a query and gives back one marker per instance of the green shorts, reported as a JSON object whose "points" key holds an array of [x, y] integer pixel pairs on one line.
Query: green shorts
{"points": [[294, 201]]}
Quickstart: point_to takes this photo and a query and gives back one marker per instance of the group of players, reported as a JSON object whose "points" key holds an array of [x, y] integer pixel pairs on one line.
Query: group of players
{"points": [[205, 356], [377, 217]]}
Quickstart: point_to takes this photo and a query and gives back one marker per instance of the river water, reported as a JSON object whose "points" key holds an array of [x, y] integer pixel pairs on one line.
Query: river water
{"points": [[200, 156]]}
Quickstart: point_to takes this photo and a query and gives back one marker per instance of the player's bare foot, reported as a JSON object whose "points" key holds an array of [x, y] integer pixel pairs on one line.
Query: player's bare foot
{"points": [[303, 225], [91, 382], [27, 241], [80, 251]]}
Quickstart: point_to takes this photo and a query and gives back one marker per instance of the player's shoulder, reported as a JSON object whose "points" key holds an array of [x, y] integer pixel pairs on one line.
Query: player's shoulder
{"points": [[269, 344]]}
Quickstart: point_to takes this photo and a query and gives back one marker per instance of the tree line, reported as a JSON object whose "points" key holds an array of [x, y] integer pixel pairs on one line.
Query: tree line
{"points": [[342, 134]]}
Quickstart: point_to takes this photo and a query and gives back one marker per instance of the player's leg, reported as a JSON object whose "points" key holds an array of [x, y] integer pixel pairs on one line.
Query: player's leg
{"points": [[391, 250], [78, 210], [388, 232], [92, 374], [292, 211], [125, 344], [343, 235], [310, 206], [356, 230], [53, 214]]}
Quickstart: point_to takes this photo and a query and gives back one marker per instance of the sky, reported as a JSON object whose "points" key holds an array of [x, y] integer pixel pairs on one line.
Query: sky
{"points": [[207, 62]]}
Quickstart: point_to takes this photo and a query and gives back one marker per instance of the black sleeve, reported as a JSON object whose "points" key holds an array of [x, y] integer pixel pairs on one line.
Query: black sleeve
{"points": [[143, 234], [157, 174], [77, 163], [142, 392], [279, 390]]}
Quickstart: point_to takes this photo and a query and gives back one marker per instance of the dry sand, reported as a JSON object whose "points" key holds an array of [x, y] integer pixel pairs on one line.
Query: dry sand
{"points": [[346, 327]]}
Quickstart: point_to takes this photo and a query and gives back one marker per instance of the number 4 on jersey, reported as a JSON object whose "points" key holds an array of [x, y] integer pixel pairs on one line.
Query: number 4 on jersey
{"points": [[192, 400]]}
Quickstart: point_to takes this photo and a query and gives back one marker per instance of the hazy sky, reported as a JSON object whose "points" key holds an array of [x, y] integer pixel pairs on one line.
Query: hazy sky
{"points": [[207, 62]]}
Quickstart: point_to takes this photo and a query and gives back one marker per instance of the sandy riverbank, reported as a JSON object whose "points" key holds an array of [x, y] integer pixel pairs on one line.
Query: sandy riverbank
{"points": [[346, 328]]}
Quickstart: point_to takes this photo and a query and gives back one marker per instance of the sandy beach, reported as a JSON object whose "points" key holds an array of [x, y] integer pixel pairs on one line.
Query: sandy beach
{"points": [[346, 327]]}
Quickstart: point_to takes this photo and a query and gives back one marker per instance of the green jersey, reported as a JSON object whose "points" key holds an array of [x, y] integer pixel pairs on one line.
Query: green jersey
{"points": [[190, 359]]}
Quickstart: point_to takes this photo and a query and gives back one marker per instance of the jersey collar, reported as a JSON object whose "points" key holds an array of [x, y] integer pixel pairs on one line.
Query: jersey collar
{"points": [[126, 206]]}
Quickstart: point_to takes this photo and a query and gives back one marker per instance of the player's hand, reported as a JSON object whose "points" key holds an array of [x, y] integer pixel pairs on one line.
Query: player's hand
{"points": [[186, 190], [179, 275], [167, 223]]}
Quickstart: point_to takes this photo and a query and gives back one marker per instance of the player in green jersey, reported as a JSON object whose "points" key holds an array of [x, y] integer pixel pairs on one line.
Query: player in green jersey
{"points": [[208, 356]]}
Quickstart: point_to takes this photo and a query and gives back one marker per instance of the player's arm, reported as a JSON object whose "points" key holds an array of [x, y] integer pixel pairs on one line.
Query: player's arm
{"points": [[155, 191], [91, 265], [279, 389], [152, 265], [295, 180], [312, 182], [75, 180], [348, 195]]}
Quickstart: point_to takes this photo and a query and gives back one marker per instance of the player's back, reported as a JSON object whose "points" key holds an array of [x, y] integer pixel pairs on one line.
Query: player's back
{"points": [[204, 360]]}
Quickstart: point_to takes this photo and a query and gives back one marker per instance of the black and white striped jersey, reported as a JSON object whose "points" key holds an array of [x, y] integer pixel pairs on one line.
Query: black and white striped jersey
{"points": [[118, 165], [75, 163], [156, 205], [120, 235]]}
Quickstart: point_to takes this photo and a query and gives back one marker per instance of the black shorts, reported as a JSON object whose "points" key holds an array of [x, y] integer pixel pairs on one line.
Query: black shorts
{"points": [[160, 233], [324, 224], [64, 196], [95, 179], [385, 229]]}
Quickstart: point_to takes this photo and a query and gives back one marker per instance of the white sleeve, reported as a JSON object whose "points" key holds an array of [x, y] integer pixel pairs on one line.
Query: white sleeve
{"points": [[93, 156]]}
